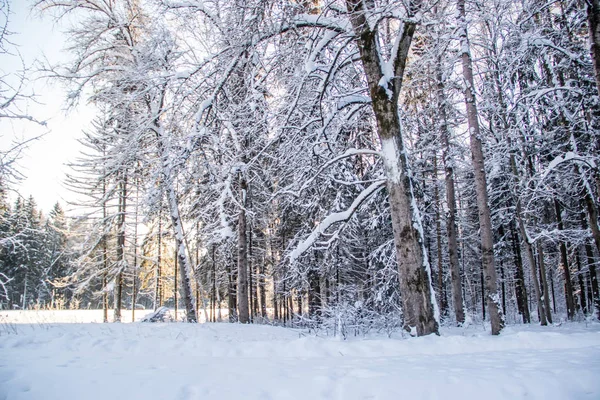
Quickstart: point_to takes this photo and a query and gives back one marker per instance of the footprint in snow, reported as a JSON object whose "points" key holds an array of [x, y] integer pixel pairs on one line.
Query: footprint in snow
{"points": [[189, 392]]}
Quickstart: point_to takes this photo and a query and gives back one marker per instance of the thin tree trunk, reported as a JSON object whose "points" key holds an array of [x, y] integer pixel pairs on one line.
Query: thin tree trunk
{"points": [[314, 294], [158, 286], [184, 263], [104, 257], [120, 246], [135, 258], [175, 285], [565, 264], [252, 281], [438, 235], [503, 286], [544, 277], [213, 296], [242, 273], [520, 288], [261, 290], [455, 275], [485, 223], [532, 263], [582, 298], [589, 254], [593, 16]]}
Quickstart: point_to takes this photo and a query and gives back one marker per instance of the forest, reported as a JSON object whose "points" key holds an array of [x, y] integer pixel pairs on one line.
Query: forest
{"points": [[343, 166]]}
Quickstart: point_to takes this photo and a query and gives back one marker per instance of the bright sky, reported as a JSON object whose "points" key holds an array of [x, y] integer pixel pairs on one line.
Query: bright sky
{"points": [[43, 163]]}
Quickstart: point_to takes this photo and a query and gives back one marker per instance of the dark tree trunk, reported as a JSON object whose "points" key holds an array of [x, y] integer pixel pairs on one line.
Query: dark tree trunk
{"points": [[175, 299], [242, 275], [520, 288], [230, 292], [565, 264], [581, 281], [314, 294], [544, 280], [105, 304], [261, 290], [589, 254], [158, 286], [120, 246], [593, 16], [438, 236]]}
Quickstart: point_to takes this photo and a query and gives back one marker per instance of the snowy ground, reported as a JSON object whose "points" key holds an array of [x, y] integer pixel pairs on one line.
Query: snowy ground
{"points": [[223, 361]]}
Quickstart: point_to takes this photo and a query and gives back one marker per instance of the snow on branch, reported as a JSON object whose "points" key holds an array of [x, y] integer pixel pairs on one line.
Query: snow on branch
{"points": [[319, 21], [569, 156], [334, 219], [346, 154]]}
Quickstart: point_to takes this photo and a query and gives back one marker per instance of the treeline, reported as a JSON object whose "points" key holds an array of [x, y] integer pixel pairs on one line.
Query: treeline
{"points": [[350, 165], [34, 256]]}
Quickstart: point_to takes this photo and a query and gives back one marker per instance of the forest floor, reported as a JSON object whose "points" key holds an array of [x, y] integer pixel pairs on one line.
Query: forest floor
{"points": [[162, 361]]}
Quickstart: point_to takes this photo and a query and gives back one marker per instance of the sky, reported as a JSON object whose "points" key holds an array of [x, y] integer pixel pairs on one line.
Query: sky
{"points": [[43, 164]]}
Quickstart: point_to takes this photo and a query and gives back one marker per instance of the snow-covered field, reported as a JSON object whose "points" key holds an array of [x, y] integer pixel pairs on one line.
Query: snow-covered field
{"points": [[92, 361]]}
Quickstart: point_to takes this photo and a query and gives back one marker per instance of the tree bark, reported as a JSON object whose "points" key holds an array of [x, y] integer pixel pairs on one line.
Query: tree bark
{"points": [[120, 246], [184, 263], [593, 17], [520, 287], [485, 223], [438, 236], [457, 296], [589, 254], [230, 292], [544, 277], [565, 264], [242, 275], [104, 256], [158, 290]]}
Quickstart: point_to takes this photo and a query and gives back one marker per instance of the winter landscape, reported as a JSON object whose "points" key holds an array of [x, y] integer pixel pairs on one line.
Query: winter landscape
{"points": [[299, 199]]}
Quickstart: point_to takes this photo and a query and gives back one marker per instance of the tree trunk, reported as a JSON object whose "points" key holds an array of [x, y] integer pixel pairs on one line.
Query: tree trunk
{"points": [[419, 304], [543, 274], [261, 290], [230, 292], [589, 254], [582, 299], [593, 17], [120, 246], [182, 257], [457, 296], [213, 295], [175, 286], [485, 223], [158, 290], [565, 264], [104, 257], [314, 294], [438, 236], [242, 274], [135, 258]]}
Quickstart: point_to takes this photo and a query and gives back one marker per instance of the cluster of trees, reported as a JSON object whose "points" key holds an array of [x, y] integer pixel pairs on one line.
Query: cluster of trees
{"points": [[34, 256], [350, 164]]}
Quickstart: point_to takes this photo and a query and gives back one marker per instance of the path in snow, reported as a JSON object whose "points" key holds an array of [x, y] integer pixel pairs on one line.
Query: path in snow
{"points": [[224, 361]]}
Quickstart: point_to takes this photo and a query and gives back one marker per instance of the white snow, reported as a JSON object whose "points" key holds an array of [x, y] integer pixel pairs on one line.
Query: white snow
{"points": [[391, 159], [230, 361]]}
